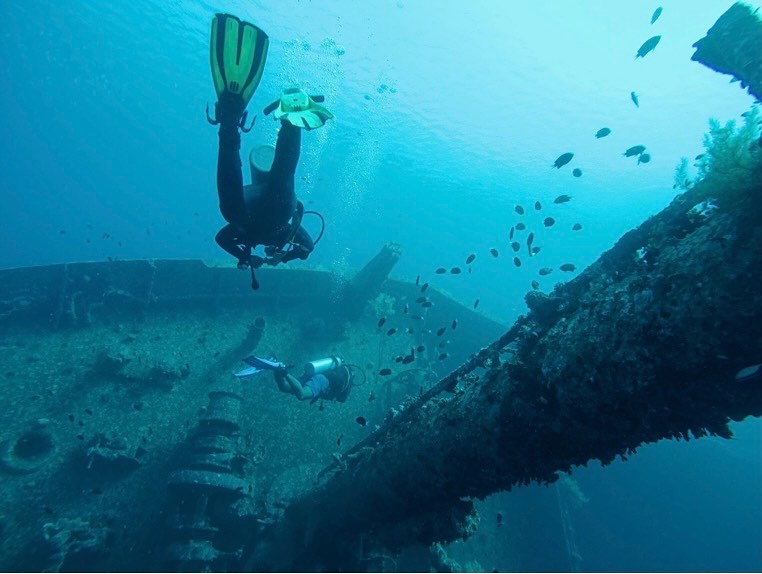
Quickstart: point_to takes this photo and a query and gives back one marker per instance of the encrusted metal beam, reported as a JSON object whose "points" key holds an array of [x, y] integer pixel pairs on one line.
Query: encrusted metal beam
{"points": [[648, 343]]}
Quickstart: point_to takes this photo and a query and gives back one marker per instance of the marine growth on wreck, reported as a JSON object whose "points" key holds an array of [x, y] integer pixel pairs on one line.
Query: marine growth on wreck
{"points": [[533, 328]]}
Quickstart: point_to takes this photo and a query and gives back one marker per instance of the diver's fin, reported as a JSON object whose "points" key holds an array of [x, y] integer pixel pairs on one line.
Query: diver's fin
{"points": [[270, 108], [300, 109], [264, 364], [247, 372], [237, 53]]}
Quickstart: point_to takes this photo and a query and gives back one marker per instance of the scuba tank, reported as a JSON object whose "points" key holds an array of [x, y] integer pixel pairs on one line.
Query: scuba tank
{"points": [[322, 365]]}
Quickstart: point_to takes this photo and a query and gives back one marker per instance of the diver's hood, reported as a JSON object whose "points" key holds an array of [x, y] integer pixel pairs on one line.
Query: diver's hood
{"points": [[261, 161]]}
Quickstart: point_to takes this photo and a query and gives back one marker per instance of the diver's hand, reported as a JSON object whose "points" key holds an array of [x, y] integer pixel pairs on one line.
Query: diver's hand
{"points": [[253, 261], [275, 258], [302, 252], [280, 372]]}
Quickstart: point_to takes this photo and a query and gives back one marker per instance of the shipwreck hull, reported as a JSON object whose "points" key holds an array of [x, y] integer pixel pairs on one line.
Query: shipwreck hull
{"points": [[646, 344], [112, 369]]}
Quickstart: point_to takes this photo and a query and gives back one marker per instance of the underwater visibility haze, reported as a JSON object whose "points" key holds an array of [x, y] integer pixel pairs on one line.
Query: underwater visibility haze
{"points": [[487, 149]]}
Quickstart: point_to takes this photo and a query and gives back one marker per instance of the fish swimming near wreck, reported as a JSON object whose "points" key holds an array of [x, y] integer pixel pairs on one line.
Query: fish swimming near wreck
{"points": [[634, 150], [563, 159], [602, 133], [647, 46]]}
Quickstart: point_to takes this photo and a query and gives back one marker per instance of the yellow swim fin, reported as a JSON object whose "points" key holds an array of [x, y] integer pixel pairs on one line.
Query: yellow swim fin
{"points": [[237, 53]]}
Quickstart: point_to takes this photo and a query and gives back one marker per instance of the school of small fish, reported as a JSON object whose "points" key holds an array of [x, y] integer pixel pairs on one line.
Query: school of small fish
{"points": [[514, 245], [639, 150]]}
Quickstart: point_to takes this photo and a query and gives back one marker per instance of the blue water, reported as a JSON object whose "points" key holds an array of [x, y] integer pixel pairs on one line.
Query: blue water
{"points": [[447, 115]]}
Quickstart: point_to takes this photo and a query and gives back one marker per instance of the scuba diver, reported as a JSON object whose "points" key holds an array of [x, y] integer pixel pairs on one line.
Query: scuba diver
{"points": [[266, 212], [329, 379]]}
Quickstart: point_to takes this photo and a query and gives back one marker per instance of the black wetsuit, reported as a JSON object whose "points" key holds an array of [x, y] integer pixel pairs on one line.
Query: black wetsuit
{"points": [[264, 220]]}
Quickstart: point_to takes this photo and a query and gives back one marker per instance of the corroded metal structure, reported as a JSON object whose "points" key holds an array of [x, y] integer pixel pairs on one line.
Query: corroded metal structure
{"points": [[648, 343]]}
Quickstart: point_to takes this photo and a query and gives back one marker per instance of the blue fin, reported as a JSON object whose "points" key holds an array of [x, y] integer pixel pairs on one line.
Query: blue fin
{"points": [[247, 372], [264, 364]]}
